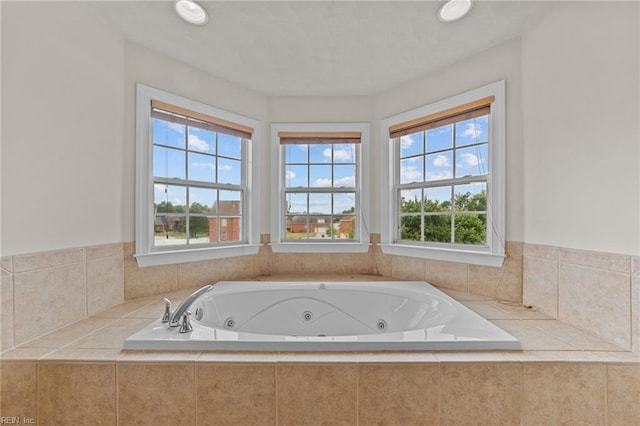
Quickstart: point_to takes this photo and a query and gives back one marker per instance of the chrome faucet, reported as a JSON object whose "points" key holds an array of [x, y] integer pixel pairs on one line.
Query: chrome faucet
{"points": [[176, 316]]}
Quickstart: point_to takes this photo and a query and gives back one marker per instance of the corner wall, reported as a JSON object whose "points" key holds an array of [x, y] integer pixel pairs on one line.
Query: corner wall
{"points": [[580, 101], [62, 75]]}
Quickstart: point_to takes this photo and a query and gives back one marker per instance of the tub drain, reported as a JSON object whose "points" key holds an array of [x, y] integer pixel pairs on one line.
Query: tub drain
{"points": [[307, 315], [229, 323], [381, 325]]}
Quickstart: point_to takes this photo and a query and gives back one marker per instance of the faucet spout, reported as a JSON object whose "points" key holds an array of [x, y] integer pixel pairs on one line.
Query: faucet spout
{"points": [[176, 316]]}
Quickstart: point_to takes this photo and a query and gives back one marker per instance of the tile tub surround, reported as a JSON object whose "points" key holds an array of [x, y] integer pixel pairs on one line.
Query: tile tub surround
{"points": [[550, 278], [596, 292], [45, 291], [572, 369]]}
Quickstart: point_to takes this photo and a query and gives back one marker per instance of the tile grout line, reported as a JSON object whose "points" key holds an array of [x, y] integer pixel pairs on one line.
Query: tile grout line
{"points": [[195, 392], [275, 393], [521, 393], [117, 395], [358, 370], [606, 393], [86, 283]]}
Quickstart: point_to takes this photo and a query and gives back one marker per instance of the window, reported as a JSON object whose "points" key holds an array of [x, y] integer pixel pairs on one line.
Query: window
{"points": [[193, 176], [322, 199], [445, 179]]}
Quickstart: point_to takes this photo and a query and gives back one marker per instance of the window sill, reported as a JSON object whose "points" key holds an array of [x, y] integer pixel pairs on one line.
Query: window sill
{"points": [[449, 255], [320, 247], [194, 255]]}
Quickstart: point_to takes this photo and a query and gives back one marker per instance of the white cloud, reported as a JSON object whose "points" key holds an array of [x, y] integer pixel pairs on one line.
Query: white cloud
{"points": [[226, 167], [409, 174], [290, 174], [406, 141], [323, 182], [345, 181], [210, 166], [439, 175], [327, 152], [198, 144], [472, 130], [342, 154], [470, 159], [441, 161]]}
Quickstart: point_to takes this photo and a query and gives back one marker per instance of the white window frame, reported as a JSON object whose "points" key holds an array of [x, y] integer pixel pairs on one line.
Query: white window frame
{"points": [[145, 254], [493, 253], [360, 243]]}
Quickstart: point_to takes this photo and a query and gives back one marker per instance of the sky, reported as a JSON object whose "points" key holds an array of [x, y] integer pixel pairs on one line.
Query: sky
{"points": [[311, 165], [199, 161], [320, 166], [432, 155]]}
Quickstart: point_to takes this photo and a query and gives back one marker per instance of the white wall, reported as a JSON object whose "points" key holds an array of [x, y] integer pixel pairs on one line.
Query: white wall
{"points": [[573, 138], [499, 63], [580, 103], [62, 80], [153, 69]]}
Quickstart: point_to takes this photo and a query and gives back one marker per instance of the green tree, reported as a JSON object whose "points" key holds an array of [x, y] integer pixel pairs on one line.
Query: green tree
{"points": [[197, 225], [470, 229]]}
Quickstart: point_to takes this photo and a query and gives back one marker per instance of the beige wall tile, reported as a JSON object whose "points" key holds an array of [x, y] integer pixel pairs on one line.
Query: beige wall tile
{"points": [[382, 263], [598, 260], [635, 314], [316, 394], [448, 274], [105, 250], [623, 395], [69, 334], [398, 394], [321, 263], [153, 280], [19, 389], [480, 394], [544, 252], [597, 301], [503, 283], [112, 335], [264, 260], [408, 268], [236, 394], [128, 307], [532, 338], [6, 264], [540, 284], [156, 394], [570, 394], [105, 283], [6, 311], [48, 299], [635, 265], [514, 248], [574, 336], [77, 394], [197, 274], [49, 259]]}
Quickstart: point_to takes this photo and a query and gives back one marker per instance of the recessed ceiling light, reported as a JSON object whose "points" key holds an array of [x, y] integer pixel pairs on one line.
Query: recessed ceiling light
{"points": [[453, 10], [191, 12]]}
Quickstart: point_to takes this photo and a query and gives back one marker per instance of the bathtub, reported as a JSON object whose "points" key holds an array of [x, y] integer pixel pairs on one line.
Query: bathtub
{"points": [[326, 316]]}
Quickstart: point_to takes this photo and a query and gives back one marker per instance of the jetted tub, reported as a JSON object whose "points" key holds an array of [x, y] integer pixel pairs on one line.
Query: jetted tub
{"points": [[326, 316]]}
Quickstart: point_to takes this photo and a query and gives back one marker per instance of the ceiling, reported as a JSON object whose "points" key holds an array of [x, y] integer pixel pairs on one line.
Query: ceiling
{"points": [[319, 48]]}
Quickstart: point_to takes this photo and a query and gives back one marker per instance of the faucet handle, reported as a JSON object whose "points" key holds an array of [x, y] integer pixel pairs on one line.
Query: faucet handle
{"points": [[186, 326], [167, 310]]}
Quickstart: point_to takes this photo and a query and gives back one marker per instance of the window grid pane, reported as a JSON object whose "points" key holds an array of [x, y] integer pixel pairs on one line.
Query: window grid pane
{"points": [[428, 211], [320, 191], [201, 167]]}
